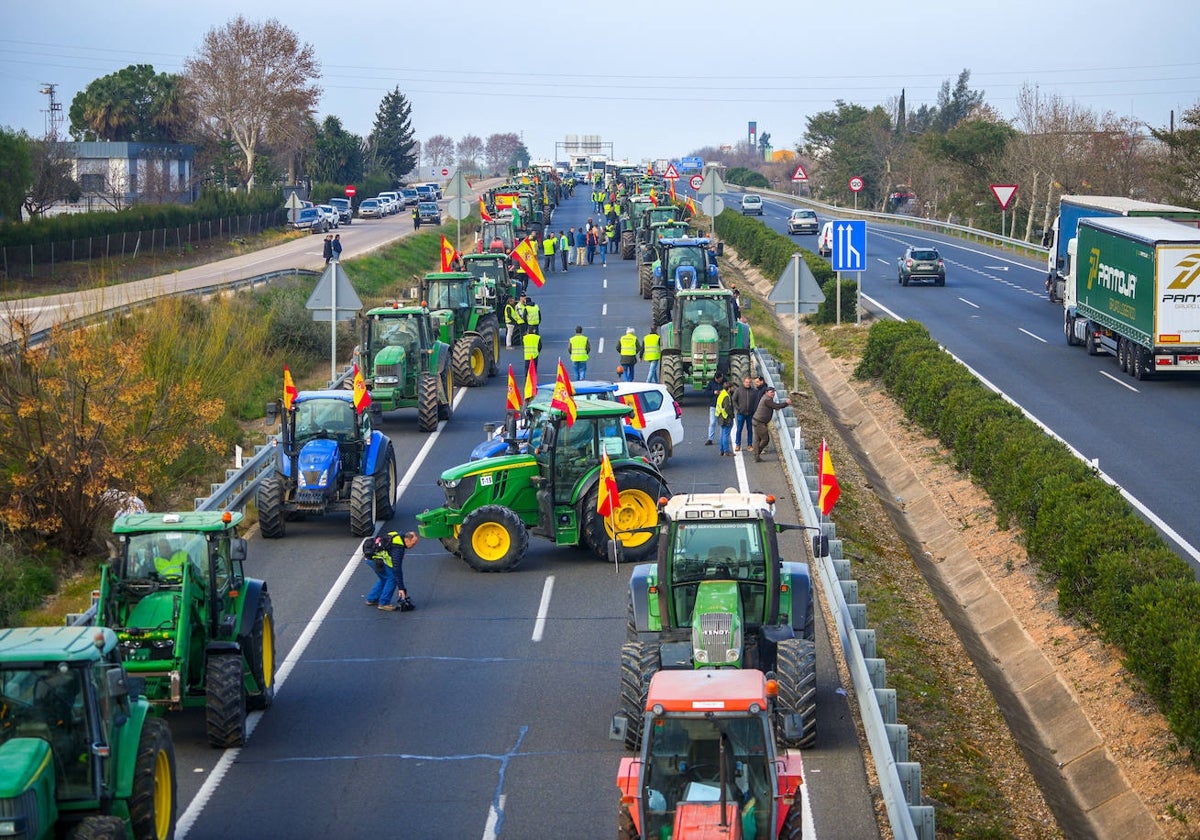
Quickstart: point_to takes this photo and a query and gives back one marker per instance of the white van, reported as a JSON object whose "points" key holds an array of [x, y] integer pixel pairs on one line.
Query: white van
{"points": [[395, 201], [825, 240]]}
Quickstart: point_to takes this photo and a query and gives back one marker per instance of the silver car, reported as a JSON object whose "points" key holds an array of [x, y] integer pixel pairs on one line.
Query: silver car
{"points": [[370, 209], [802, 221]]}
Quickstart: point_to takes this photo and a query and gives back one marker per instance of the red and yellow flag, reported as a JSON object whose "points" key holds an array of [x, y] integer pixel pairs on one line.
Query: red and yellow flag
{"points": [[638, 418], [449, 254], [691, 206], [828, 489], [514, 396], [531, 380], [289, 389], [526, 257], [362, 397], [564, 395], [672, 192], [484, 215], [653, 198], [608, 499]]}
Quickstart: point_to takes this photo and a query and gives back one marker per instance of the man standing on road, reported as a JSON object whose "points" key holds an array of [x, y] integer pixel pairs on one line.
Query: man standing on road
{"points": [[515, 319], [651, 352], [533, 316], [580, 246], [630, 348], [532, 346], [564, 249], [548, 240], [337, 246], [579, 347], [327, 251], [745, 400], [713, 389], [762, 416]]}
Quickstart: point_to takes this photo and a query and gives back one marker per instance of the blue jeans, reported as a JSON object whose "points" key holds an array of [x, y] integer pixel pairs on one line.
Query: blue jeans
{"points": [[603, 252], [580, 370], [712, 421], [743, 422], [628, 374], [725, 446], [385, 586], [652, 376]]}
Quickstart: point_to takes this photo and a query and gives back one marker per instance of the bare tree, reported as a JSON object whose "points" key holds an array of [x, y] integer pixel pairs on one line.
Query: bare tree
{"points": [[52, 179], [500, 150], [470, 150], [254, 80], [439, 150]]}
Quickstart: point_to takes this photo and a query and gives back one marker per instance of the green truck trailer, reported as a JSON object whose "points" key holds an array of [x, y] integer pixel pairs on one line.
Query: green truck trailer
{"points": [[1133, 290]]}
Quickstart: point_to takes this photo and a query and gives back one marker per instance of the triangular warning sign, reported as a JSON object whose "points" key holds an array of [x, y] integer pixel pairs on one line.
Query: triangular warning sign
{"points": [[321, 301], [672, 173], [799, 174], [1004, 194]]}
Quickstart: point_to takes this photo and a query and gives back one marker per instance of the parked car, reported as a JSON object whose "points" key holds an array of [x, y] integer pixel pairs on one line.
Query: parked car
{"points": [[310, 219], [395, 202], [426, 192], [429, 213], [387, 205], [922, 263], [752, 205], [825, 240], [802, 221], [410, 196], [344, 209], [370, 209], [664, 419], [437, 190], [331, 215]]}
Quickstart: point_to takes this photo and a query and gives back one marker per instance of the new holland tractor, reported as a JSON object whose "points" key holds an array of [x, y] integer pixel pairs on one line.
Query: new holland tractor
{"points": [[649, 252], [494, 504], [81, 756], [187, 619], [677, 264], [703, 337], [720, 596], [404, 363], [466, 321], [330, 461], [714, 763]]}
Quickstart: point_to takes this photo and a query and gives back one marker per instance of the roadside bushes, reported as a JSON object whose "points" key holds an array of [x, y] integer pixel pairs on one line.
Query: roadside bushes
{"points": [[1112, 570]]}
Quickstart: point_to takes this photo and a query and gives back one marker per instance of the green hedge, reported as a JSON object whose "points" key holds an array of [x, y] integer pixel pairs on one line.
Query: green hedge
{"points": [[1112, 569]]}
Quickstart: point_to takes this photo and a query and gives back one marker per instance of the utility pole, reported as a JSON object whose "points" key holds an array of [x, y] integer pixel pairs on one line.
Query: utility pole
{"points": [[54, 115]]}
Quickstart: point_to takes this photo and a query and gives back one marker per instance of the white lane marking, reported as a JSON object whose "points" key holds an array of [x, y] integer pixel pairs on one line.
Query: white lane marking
{"points": [[539, 626], [494, 812], [1119, 381], [229, 756], [601, 350], [604, 309], [997, 267], [882, 260], [739, 466], [604, 283], [968, 303], [1031, 335]]}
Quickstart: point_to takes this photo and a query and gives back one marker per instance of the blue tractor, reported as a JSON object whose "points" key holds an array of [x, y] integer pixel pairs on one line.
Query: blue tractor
{"points": [[329, 460]]}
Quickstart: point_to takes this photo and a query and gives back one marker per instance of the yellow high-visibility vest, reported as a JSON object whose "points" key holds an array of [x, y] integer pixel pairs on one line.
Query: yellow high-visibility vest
{"points": [[533, 315], [628, 345], [578, 345], [531, 343]]}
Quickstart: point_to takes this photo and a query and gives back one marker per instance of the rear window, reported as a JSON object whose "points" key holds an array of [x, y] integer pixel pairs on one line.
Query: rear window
{"points": [[804, 214], [925, 255], [750, 199]]}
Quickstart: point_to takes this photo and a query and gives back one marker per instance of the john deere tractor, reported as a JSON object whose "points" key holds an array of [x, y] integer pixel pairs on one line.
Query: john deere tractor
{"points": [[187, 620], [405, 364], [495, 274], [465, 320], [80, 754], [631, 223], [720, 596], [493, 504], [330, 461], [703, 337]]}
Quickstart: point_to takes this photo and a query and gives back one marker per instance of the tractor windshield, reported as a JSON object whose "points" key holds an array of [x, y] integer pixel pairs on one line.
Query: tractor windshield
{"points": [[395, 332], [325, 418], [49, 703], [713, 312], [487, 269], [712, 550], [444, 294], [162, 555]]}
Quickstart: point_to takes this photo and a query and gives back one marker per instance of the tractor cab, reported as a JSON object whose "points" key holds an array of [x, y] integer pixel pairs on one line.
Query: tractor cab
{"points": [[497, 235], [705, 321], [686, 264], [393, 341]]}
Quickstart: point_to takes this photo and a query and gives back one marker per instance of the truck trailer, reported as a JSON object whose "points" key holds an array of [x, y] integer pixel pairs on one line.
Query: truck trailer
{"points": [[1072, 208], [1132, 288]]}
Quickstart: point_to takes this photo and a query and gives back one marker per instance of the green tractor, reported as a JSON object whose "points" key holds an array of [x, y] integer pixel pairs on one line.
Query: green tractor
{"points": [[653, 215], [81, 756], [552, 492], [649, 252], [496, 274], [631, 222], [405, 365], [466, 322], [720, 596], [187, 619], [702, 338]]}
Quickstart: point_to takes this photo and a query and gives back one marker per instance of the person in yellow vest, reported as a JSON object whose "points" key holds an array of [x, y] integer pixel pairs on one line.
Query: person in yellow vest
{"points": [[168, 564], [630, 348], [533, 316], [651, 353], [579, 347], [514, 317], [532, 345], [548, 242]]}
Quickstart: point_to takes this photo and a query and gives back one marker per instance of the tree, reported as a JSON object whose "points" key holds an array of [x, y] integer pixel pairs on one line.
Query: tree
{"points": [[337, 154], [470, 150], [954, 106], [16, 173], [439, 150], [851, 141], [254, 80], [52, 179], [132, 105], [391, 145], [1178, 168], [501, 151]]}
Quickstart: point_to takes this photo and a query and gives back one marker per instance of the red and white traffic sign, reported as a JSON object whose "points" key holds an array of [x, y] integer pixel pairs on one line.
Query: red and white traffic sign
{"points": [[672, 174], [696, 181], [445, 172], [856, 184], [799, 174], [350, 191], [1004, 194]]}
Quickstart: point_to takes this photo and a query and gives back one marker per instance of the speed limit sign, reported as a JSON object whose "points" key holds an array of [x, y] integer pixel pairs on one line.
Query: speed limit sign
{"points": [[696, 181], [856, 184]]}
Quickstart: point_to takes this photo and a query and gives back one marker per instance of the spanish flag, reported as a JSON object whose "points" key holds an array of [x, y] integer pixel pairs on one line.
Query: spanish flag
{"points": [[449, 254], [638, 418], [564, 395], [672, 192], [608, 499], [526, 257], [289, 389], [484, 215], [514, 396], [362, 397], [531, 380], [828, 489], [691, 206]]}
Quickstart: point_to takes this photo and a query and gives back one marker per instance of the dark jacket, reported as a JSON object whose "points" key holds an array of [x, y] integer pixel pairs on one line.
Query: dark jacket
{"points": [[766, 409], [745, 400], [712, 389]]}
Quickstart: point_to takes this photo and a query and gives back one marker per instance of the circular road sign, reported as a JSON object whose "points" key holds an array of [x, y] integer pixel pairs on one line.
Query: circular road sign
{"points": [[712, 205], [696, 181], [458, 208], [350, 191], [856, 184], [445, 172]]}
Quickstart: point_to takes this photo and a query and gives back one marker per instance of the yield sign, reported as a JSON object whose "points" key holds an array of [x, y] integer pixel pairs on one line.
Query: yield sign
{"points": [[672, 174], [1004, 194], [799, 174]]}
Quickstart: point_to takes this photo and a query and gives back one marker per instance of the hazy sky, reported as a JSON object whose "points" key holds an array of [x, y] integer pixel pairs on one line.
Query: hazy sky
{"points": [[654, 78]]}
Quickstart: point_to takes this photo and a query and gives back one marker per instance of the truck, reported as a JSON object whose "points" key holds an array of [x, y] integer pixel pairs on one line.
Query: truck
{"points": [[1131, 289], [1072, 208]]}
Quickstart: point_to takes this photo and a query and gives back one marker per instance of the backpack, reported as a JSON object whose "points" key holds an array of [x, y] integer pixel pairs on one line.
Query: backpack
{"points": [[374, 545]]}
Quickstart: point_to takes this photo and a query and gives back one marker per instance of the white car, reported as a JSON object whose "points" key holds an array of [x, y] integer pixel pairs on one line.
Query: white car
{"points": [[331, 214], [752, 205], [825, 240], [663, 416]]}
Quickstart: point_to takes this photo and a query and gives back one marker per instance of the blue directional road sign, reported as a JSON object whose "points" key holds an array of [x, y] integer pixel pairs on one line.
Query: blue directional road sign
{"points": [[849, 245]]}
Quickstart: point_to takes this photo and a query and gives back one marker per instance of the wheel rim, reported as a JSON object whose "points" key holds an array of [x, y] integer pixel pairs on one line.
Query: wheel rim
{"points": [[657, 451], [267, 656], [637, 510], [477, 361], [162, 795], [491, 541]]}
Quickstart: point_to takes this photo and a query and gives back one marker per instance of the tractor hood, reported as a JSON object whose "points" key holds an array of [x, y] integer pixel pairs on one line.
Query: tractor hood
{"points": [[717, 624], [490, 465], [24, 760], [319, 463], [389, 355]]}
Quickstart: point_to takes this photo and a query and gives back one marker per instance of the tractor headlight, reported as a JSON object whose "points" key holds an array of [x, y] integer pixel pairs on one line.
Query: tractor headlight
{"points": [[451, 483], [310, 478], [387, 380]]}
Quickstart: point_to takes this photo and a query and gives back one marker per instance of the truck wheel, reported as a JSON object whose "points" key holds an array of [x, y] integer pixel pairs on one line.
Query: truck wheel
{"points": [[385, 486], [269, 500], [100, 827], [1092, 342], [1141, 361], [489, 328], [1069, 329], [493, 539], [469, 360], [658, 449], [261, 654], [739, 366], [645, 279], [225, 703], [446, 409], [672, 374], [638, 509], [362, 506], [152, 801], [796, 669], [1123, 354], [427, 403], [639, 662]]}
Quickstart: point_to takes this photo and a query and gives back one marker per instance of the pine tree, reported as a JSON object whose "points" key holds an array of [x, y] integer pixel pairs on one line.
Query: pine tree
{"points": [[392, 140]]}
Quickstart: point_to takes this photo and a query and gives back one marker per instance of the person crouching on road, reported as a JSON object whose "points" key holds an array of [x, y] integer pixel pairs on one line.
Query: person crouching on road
{"points": [[388, 562]]}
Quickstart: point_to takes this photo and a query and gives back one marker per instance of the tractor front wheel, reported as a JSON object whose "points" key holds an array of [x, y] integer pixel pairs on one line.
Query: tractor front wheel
{"points": [[152, 802], [637, 511], [446, 409], [261, 654], [639, 662], [385, 486], [269, 500], [645, 279], [362, 506], [493, 539], [739, 366], [672, 374], [470, 361], [796, 669], [427, 403], [99, 827], [489, 328], [225, 703]]}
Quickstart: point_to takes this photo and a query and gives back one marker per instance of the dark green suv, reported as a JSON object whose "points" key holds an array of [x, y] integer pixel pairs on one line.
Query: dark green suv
{"points": [[922, 263]]}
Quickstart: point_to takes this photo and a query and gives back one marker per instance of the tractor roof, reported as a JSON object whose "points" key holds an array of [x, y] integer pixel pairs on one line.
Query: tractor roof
{"points": [[449, 275], [395, 309], [685, 241], [728, 505], [194, 520], [50, 645], [339, 394], [718, 690], [585, 409]]}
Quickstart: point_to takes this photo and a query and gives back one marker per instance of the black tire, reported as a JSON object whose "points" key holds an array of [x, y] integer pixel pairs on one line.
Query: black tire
{"points": [[427, 403], [793, 825], [1069, 329], [903, 280], [672, 374], [630, 624], [489, 329], [452, 545], [941, 281], [627, 245], [470, 361], [739, 366], [269, 501], [260, 655], [639, 494], [493, 539], [153, 801], [446, 409], [362, 505], [1143, 364], [1123, 354], [225, 704], [101, 827], [1092, 343], [796, 671], [385, 486], [658, 449], [899, 277], [639, 662], [661, 305], [645, 279]]}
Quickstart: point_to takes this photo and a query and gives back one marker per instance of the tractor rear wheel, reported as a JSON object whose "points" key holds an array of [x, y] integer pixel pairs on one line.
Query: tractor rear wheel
{"points": [[362, 506], [446, 409], [739, 366], [385, 486], [660, 306], [489, 328], [645, 279], [626, 830], [796, 670], [627, 245], [793, 826], [225, 704], [672, 374], [639, 662], [427, 403], [493, 539], [638, 509], [470, 361], [152, 802], [99, 827], [261, 654], [269, 500]]}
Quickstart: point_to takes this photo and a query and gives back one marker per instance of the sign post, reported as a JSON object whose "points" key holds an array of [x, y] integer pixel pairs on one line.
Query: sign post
{"points": [[797, 289], [1004, 195], [799, 176]]}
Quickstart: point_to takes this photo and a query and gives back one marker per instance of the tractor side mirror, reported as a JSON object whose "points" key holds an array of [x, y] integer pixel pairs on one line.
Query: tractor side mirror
{"points": [[618, 727], [116, 683], [272, 412], [793, 726], [720, 249], [820, 546], [237, 550]]}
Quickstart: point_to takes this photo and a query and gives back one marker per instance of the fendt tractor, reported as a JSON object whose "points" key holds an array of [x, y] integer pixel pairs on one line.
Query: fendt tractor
{"points": [[80, 754], [720, 596], [677, 264], [703, 337], [187, 619], [493, 504], [330, 461], [465, 321], [404, 363], [715, 762]]}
